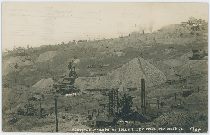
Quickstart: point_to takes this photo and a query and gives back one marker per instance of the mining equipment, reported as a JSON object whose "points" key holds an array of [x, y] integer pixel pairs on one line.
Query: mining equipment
{"points": [[33, 107], [120, 108], [65, 85], [110, 116]]}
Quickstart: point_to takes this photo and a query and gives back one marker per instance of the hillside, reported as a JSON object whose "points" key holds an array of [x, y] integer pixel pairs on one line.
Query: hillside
{"points": [[162, 58], [101, 53]]}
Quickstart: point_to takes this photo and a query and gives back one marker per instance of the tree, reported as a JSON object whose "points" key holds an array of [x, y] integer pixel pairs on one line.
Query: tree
{"points": [[197, 24]]}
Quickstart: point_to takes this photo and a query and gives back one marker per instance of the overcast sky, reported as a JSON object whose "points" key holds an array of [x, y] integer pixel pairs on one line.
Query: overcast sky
{"points": [[38, 24]]}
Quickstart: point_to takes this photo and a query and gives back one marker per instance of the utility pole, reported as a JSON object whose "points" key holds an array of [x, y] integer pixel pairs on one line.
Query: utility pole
{"points": [[158, 103], [40, 107], [98, 112], [92, 113], [143, 102], [56, 113]]}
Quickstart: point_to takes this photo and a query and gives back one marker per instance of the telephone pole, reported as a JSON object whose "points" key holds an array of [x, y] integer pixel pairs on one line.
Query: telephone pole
{"points": [[40, 108], [143, 101], [56, 113]]}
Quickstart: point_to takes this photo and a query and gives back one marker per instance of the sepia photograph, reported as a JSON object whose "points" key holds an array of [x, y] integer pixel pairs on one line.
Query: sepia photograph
{"points": [[105, 67]]}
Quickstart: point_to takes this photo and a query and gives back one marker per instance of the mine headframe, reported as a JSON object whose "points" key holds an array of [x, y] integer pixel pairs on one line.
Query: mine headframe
{"points": [[113, 105], [72, 71], [66, 86]]}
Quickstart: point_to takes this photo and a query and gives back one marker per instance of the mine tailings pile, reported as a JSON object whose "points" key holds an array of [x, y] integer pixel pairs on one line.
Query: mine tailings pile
{"points": [[128, 76]]}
